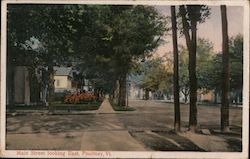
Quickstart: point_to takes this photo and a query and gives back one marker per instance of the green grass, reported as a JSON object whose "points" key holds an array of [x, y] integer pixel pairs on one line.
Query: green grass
{"points": [[82, 107], [61, 106], [120, 108]]}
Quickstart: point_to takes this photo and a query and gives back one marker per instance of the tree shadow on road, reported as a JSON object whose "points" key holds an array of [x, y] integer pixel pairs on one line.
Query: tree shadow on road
{"points": [[46, 123]]}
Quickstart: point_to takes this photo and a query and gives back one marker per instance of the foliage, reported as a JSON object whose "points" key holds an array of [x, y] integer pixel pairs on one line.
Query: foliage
{"points": [[103, 41], [204, 64], [235, 66], [115, 37], [77, 98], [47, 42], [209, 66], [154, 76]]}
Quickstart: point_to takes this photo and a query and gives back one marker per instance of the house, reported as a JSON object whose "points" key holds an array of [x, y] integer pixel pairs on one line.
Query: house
{"points": [[63, 77], [65, 80]]}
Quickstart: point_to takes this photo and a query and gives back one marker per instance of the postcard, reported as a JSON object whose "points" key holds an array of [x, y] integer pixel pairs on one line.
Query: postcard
{"points": [[124, 79]]}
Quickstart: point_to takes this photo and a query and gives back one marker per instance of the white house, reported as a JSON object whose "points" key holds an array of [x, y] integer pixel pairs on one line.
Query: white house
{"points": [[63, 79]]}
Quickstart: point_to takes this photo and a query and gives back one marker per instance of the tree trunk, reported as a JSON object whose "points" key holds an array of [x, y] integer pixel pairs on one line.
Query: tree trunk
{"points": [[225, 74], [51, 86], [185, 93], [193, 79], [191, 44], [177, 118], [122, 91], [215, 97], [146, 94], [185, 98], [96, 93], [116, 92]]}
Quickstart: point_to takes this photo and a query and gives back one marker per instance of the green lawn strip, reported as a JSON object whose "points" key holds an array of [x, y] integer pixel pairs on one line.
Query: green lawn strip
{"points": [[82, 107], [120, 108]]}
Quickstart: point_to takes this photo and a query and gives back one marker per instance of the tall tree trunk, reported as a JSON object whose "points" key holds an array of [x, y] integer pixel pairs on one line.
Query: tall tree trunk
{"points": [[225, 74], [51, 86], [122, 91], [193, 79], [191, 45], [177, 118]]}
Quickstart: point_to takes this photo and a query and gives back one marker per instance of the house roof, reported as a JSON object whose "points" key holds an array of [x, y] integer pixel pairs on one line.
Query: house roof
{"points": [[63, 71]]}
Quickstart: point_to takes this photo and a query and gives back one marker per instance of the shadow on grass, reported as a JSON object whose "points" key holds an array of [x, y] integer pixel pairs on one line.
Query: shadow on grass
{"points": [[47, 123], [120, 108], [165, 141]]}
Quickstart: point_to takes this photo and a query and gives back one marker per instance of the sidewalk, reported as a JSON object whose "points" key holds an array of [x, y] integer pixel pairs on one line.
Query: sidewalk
{"points": [[108, 135], [105, 107]]}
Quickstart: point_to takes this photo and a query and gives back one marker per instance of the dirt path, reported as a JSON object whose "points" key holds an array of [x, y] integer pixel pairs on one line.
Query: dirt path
{"points": [[105, 107]]}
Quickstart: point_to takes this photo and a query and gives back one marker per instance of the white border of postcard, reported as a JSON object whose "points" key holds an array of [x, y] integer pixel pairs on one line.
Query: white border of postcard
{"points": [[130, 154]]}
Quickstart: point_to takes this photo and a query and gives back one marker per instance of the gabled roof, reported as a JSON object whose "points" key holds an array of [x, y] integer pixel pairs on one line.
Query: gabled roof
{"points": [[63, 71]]}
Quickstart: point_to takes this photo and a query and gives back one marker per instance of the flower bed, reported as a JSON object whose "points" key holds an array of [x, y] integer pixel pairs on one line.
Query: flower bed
{"points": [[79, 98]]}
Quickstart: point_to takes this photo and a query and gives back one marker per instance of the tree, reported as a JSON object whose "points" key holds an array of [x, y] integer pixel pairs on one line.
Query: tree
{"points": [[105, 39], [183, 75], [136, 32], [225, 74], [116, 38], [53, 34], [153, 75], [204, 65], [213, 71], [177, 121], [191, 15], [236, 67]]}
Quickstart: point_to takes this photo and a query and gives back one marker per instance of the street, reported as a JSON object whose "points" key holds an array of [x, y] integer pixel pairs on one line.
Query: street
{"points": [[148, 128]]}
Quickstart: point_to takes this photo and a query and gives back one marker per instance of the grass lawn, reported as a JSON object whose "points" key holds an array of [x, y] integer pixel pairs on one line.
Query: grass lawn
{"points": [[82, 107], [61, 106], [120, 108]]}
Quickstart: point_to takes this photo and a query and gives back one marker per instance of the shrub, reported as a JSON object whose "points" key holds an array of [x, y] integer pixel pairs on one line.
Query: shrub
{"points": [[79, 98], [60, 96]]}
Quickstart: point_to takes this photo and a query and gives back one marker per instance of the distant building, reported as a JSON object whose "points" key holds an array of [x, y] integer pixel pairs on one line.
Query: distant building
{"points": [[63, 79], [134, 92]]}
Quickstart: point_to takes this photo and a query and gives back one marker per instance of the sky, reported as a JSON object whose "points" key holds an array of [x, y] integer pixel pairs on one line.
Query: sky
{"points": [[210, 29]]}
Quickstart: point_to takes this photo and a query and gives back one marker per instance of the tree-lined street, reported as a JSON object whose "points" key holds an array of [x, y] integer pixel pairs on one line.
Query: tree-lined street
{"points": [[88, 77]]}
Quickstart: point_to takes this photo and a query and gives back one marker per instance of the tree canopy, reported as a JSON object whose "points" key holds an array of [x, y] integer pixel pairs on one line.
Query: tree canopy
{"points": [[102, 41]]}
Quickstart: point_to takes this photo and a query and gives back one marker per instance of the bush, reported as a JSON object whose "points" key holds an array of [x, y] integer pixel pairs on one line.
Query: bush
{"points": [[79, 98], [60, 96]]}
